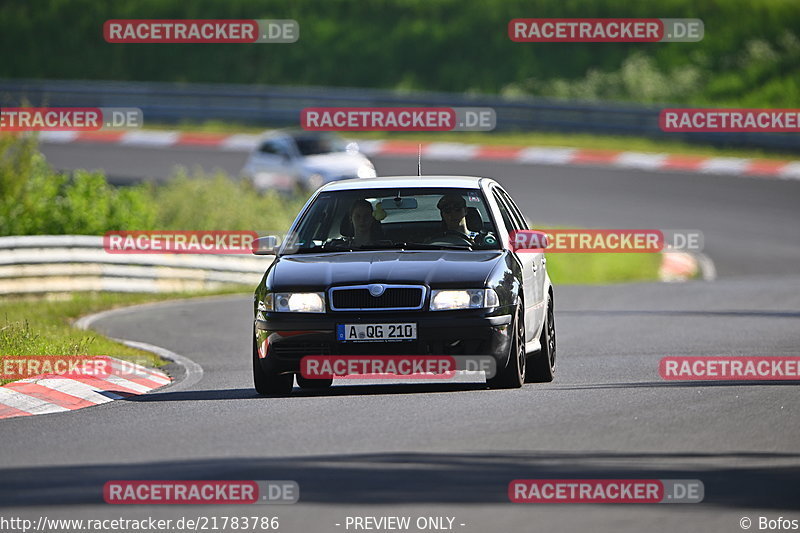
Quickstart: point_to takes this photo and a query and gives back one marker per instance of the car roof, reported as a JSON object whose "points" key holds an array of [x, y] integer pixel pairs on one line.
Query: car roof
{"points": [[295, 133], [458, 182]]}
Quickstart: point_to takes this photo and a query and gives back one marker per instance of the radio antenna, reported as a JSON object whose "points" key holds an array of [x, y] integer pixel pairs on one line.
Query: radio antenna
{"points": [[419, 161]]}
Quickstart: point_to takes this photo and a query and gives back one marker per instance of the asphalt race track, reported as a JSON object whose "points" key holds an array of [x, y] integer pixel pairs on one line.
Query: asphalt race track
{"points": [[451, 450]]}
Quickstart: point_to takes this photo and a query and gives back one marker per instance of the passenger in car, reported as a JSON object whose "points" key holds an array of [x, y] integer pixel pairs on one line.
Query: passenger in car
{"points": [[366, 228]]}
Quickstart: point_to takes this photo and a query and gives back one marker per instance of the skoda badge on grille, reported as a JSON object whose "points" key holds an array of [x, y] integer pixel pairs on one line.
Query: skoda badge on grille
{"points": [[376, 289]]}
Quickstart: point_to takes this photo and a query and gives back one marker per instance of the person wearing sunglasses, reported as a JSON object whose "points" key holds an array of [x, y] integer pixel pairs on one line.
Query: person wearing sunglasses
{"points": [[453, 210]]}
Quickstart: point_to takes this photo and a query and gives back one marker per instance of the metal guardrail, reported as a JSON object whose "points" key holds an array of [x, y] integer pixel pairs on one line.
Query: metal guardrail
{"points": [[280, 106], [66, 263]]}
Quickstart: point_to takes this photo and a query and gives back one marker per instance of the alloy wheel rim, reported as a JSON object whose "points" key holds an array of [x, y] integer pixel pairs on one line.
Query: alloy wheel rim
{"points": [[521, 345], [551, 336]]}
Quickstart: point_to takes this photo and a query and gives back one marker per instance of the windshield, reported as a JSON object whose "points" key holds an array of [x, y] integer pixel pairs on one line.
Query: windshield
{"points": [[394, 219], [320, 144]]}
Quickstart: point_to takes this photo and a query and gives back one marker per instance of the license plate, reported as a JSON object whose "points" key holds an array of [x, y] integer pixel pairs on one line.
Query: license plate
{"points": [[376, 332]]}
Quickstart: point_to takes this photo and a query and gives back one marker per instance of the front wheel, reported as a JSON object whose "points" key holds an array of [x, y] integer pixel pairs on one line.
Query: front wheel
{"points": [[269, 383], [313, 384], [513, 375], [542, 366]]}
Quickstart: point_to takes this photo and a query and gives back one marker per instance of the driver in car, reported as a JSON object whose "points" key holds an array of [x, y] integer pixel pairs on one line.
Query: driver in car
{"points": [[453, 209], [454, 212]]}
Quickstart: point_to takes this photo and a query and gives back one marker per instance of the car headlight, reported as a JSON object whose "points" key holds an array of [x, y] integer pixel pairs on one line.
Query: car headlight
{"points": [[294, 302], [445, 300], [366, 171]]}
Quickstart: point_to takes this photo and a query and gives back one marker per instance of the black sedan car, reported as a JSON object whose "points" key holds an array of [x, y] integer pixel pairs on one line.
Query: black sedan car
{"points": [[404, 266]]}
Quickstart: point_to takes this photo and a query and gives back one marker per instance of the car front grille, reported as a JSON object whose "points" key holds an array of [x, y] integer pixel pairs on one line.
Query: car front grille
{"points": [[393, 297]]}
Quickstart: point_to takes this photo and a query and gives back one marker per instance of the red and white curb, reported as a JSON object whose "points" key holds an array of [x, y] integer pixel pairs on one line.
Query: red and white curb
{"points": [[683, 266], [447, 151], [50, 393]]}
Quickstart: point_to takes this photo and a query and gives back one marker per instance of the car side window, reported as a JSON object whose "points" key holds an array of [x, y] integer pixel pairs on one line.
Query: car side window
{"points": [[507, 219], [519, 218], [268, 148], [273, 148]]}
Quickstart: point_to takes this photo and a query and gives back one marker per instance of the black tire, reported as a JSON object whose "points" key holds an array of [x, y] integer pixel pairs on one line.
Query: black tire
{"points": [[313, 384], [542, 365], [267, 383], [513, 375]]}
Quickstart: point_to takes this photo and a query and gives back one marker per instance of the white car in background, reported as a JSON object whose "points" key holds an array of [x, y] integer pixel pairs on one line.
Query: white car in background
{"points": [[284, 159]]}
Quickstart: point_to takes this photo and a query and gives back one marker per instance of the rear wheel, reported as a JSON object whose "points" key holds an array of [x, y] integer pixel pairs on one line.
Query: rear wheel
{"points": [[542, 366], [513, 375], [269, 383]]}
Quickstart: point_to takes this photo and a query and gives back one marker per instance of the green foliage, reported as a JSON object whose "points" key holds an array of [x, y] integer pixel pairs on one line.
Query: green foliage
{"points": [[35, 200], [218, 203], [747, 56]]}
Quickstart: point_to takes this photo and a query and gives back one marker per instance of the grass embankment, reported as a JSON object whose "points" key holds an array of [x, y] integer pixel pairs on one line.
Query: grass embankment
{"points": [[590, 268], [42, 325]]}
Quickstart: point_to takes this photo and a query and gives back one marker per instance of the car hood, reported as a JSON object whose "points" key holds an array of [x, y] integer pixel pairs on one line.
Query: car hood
{"points": [[438, 268], [334, 163]]}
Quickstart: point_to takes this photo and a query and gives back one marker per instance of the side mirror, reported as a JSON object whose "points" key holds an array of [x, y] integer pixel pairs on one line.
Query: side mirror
{"points": [[528, 241], [266, 245]]}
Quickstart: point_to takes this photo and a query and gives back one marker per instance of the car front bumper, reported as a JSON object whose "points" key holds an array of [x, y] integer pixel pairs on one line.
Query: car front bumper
{"points": [[283, 339]]}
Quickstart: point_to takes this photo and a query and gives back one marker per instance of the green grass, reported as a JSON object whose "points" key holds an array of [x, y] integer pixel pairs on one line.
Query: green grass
{"points": [[521, 139], [597, 268], [43, 325], [590, 268]]}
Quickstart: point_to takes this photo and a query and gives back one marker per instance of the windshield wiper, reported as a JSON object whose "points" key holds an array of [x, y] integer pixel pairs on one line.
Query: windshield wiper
{"points": [[322, 249], [385, 245], [379, 246], [410, 246], [430, 246]]}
